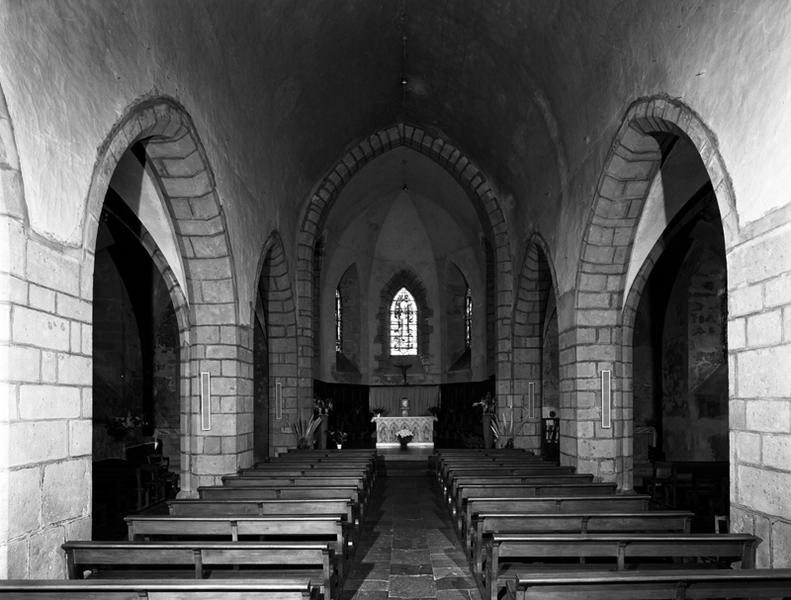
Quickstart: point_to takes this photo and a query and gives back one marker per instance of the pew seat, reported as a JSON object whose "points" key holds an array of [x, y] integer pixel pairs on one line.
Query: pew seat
{"points": [[674, 584], [202, 560], [508, 552], [654, 521]]}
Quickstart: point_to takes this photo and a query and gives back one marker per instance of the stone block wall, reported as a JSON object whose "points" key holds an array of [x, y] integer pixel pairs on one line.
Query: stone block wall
{"points": [[46, 357], [759, 349]]}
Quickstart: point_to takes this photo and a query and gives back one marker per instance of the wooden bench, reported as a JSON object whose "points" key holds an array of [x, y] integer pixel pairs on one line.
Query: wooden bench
{"points": [[175, 589], [676, 584], [448, 476], [302, 471], [652, 521], [201, 560], [618, 548], [291, 527], [527, 490], [574, 504], [493, 480], [316, 506]]}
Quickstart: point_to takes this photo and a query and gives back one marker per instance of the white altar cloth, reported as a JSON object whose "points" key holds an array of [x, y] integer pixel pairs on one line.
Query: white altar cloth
{"points": [[422, 427]]}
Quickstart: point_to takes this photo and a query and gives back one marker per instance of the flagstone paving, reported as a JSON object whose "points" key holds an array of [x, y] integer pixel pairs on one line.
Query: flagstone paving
{"points": [[408, 547]]}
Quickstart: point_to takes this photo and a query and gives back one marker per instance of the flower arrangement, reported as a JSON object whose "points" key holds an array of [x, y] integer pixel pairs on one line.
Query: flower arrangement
{"points": [[305, 431], [404, 436], [321, 406], [119, 427], [379, 412], [488, 404], [338, 436]]}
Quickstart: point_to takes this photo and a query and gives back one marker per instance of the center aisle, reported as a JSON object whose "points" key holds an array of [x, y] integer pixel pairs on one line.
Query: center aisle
{"points": [[408, 548]]}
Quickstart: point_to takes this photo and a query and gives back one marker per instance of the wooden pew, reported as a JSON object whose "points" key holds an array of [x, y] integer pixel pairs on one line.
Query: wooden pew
{"points": [[527, 490], [493, 480], [652, 521], [297, 528], [268, 491], [451, 473], [302, 471], [675, 584], [619, 548], [201, 560], [562, 504], [175, 589], [486, 463], [342, 507]]}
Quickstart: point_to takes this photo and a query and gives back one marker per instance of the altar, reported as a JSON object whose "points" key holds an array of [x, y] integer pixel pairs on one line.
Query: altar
{"points": [[421, 427]]}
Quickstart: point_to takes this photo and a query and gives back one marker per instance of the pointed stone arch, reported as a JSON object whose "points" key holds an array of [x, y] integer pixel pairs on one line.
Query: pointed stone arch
{"points": [[471, 178], [186, 182], [536, 283], [276, 312], [595, 341]]}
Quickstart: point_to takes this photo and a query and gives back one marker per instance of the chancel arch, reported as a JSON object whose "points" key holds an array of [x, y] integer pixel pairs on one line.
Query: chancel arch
{"points": [[596, 341], [479, 200]]}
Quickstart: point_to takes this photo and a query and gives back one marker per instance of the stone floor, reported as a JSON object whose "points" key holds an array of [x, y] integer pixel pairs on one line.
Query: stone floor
{"points": [[408, 547]]}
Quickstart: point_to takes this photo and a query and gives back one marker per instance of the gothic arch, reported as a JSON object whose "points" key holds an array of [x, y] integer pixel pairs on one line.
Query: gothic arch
{"points": [[536, 282], [472, 180], [275, 310], [596, 343], [186, 182]]}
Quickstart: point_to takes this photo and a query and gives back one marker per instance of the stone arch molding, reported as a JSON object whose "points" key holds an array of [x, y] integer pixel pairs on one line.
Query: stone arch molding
{"points": [[280, 328], [471, 178], [596, 343], [527, 331], [187, 186]]}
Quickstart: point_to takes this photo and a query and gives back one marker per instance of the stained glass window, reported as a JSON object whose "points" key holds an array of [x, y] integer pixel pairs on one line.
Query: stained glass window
{"points": [[403, 324], [468, 318], [338, 321]]}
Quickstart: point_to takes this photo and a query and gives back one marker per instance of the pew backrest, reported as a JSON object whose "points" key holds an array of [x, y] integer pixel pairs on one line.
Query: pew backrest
{"points": [[175, 589]]}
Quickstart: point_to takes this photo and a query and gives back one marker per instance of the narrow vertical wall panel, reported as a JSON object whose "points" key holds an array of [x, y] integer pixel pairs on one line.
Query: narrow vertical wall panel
{"points": [[606, 399], [205, 400], [531, 400], [278, 400]]}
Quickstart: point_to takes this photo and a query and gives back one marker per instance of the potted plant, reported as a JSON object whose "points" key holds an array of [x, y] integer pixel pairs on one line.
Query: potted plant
{"points": [[404, 437], [305, 430], [503, 429], [338, 437]]}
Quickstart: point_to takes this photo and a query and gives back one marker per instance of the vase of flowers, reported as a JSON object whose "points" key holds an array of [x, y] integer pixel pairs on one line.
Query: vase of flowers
{"points": [[379, 412], [404, 437], [488, 406], [339, 437]]}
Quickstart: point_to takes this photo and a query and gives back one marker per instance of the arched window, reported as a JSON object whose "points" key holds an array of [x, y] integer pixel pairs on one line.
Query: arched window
{"points": [[468, 318], [403, 324], [338, 321]]}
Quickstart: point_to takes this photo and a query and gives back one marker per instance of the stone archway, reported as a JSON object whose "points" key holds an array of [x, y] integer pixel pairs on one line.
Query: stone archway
{"points": [[178, 159], [536, 295], [274, 354], [595, 342], [472, 180]]}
